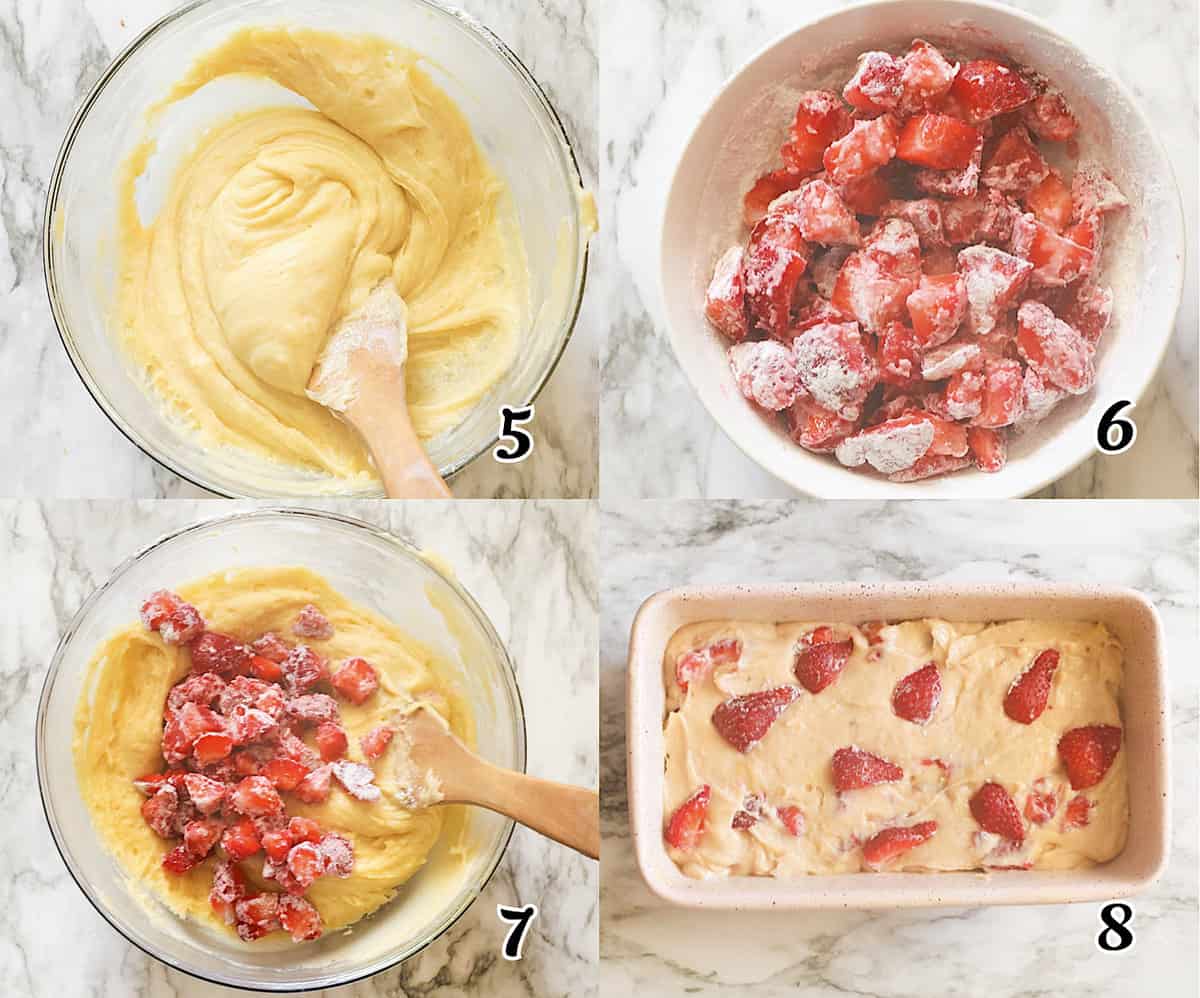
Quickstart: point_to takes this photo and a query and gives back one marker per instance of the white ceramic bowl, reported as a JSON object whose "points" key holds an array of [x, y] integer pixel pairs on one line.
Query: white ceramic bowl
{"points": [[374, 568], [738, 139], [517, 128], [1145, 717]]}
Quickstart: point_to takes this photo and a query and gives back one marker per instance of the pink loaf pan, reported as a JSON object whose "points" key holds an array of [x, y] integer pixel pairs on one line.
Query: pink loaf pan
{"points": [[1144, 710]]}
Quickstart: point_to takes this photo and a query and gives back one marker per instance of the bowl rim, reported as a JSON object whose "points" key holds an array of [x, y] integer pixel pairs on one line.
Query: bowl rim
{"points": [[570, 163], [878, 488], [320, 517]]}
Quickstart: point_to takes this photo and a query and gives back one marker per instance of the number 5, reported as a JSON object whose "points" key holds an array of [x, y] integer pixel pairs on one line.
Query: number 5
{"points": [[511, 421], [521, 919]]}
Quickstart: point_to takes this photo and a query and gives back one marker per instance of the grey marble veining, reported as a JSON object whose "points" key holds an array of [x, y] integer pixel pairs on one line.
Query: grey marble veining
{"points": [[662, 65], [51, 53], [648, 947], [530, 565]]}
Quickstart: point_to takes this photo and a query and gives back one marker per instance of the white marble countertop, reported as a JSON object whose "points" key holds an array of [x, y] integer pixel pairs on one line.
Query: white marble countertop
{"points": [[53, 53], [530, 565], [650, 948], [657, 79]]}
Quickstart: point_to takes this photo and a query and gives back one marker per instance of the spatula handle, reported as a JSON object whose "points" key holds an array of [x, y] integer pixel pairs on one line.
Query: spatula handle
{"points": [[570, 815], [402, 463]]}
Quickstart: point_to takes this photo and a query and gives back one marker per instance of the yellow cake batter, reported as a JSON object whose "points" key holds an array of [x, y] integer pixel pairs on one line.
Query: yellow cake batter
{"points": [[118, 729], [969, 732], [281, 221]]}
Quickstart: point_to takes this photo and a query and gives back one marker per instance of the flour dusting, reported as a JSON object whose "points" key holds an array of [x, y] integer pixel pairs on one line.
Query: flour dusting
{"points": [[380, 327]]}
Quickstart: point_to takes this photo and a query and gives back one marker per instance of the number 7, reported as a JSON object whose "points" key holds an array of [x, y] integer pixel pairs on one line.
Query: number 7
{"points": [[521, 919]]}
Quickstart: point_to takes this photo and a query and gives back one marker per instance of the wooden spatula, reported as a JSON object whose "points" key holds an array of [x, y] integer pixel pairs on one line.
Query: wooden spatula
{"points": [[360, 376], [427, 753]]}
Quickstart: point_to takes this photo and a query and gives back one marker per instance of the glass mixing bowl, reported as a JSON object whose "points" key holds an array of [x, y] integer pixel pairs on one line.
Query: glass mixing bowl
{"points": [[512, 119], [371, 567]]}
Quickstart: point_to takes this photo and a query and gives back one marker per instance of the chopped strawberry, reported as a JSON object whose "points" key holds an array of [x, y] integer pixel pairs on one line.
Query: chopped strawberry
{"points": [[994, 811], [994, 281], [766, 189], [873, 629], [161, 811], [751, 811], [877, 84], [254, 796], [1029, 693], [725, 301], [868, 194], [959, 182], [765, 373], [331, 741], [314, 788], [183, 624], [925, 77], [299, 918], [219, 653], [284, 774], [892, 842], [276, 843], [246, 764], [937, 308], [302, 670], [311, 623], [686, 826], [357, 780], [1057, 258], [207, 794], [266, 669], [1078, 813], [249, 724], [899, 356], [375, 742], [198, 689], [989, 449], [1052, 348], [1038, 397], [986, 88], [1093, 192], [1088, 752], [875, 281], [918, 694], [240, 840], [1050, 202], [948, 359], [821, 213], [339, 855], [1002, 394], [816, 428], [247, 691], [1089, 310], [836, 367], [228, 888], [179, 860], [211, 746], [984, 217], [158, 608], [863, 150], [1049, 116], [201, 835], [775, 260], [1015, 166], [930, 466], [938, 142], [743, 721], [148, 784], [304, 830], [817, 665], [289, 746], [695, 665], [923, 214], [257, 916], [356, 680], [821, 118], [305, 863], [313, 708], [271, 646], [1041, 804], [792, 818], [854, 769], [890, 446]]}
